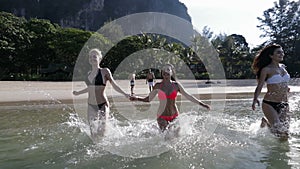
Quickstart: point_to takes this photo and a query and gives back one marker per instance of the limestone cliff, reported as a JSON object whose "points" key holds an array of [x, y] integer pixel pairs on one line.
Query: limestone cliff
{"points": [[90, 14]]}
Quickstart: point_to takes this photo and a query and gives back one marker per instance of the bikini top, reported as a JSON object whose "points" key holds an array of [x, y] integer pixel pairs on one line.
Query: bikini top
{"points": [[277, 78], [163, 96], [97, 81]]}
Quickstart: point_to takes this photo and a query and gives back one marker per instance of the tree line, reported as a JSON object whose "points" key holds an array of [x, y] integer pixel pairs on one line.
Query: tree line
{"points": [[36, 49]]}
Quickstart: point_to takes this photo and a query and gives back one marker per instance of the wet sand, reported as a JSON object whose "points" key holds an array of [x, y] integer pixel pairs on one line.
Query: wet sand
{"points": [[13, 92]]}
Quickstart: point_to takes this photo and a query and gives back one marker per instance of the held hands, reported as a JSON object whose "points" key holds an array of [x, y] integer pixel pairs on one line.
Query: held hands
{"points": [[136, 98], [255, 101], [133, 98], [76, 93], [206, 106], [127, 95]]}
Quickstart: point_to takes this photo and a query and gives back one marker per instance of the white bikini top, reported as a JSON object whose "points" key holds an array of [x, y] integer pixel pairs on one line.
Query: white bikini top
{"points": [[277, 78]]}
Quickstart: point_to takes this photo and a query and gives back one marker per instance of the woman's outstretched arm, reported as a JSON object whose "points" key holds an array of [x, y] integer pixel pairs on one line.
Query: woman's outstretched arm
{"points": [[76, 93], [191, 97], [114, 83], [148, 98]]}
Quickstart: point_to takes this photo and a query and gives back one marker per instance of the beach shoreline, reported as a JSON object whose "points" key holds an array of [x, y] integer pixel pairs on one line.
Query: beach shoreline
{"points": [[26, 92]]}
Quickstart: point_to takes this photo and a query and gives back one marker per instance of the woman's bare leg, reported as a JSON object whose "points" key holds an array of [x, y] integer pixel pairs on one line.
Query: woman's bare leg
{"points": [[273, 118], [163, 124], [264, 123], [97, 120], [270, 113]]}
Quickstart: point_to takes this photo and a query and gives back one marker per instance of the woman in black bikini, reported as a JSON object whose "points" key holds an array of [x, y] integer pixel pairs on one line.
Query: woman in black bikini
{"points": [[275, 106], [98, 105], [167, 91]]}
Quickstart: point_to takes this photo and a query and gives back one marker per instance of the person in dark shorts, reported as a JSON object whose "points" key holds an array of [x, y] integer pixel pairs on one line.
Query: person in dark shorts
{"points": [[132, 82], [150, 80]]}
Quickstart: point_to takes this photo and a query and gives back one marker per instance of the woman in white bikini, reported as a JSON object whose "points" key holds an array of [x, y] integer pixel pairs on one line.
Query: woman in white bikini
{"points": [[275, 106], [98, 105]]}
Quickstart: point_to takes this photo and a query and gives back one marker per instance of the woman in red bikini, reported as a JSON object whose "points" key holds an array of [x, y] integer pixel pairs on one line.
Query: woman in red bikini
{"points": [[275, 106], [98, 105], [167, 91]]}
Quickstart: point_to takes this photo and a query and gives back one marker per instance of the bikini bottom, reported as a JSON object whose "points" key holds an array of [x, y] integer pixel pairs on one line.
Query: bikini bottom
{"points": [[278, 106], [97, 119], [164, 121], [98, 110], [284, 119], [168, 118]]}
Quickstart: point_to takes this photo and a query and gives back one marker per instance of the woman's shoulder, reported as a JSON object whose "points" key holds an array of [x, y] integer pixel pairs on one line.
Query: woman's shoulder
{"points": [[266, 69], [270, 68], [157, 85], [176, 83], [282, 65], [105, 70], [106, 73]]}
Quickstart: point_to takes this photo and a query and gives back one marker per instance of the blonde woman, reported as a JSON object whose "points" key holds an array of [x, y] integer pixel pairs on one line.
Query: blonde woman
{"points": [[98, 104]]}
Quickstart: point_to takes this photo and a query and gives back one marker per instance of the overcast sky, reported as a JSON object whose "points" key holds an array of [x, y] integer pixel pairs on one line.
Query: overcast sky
{"points": [[229, 16]]}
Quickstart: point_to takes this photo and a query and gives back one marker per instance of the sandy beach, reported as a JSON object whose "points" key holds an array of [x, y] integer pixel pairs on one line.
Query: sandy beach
{"points": [[36, 91]]}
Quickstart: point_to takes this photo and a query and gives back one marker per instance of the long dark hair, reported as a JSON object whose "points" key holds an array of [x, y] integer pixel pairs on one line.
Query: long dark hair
{"points": [[262, 59]]}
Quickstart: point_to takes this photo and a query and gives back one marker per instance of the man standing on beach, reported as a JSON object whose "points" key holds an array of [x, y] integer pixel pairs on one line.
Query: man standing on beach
{"points": [[150, 80]]}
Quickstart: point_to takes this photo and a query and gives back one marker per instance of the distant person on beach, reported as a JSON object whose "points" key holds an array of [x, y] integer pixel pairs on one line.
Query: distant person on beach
{"points": [[98, 105], [150, 79], [132, 82], [275, 105], [167, 91]]}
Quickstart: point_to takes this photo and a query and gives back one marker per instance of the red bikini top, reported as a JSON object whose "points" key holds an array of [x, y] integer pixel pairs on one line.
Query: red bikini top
{"points": [[163, 96]]}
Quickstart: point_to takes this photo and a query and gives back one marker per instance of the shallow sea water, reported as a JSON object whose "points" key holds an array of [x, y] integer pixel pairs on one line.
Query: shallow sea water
{"points": [[54, 135]]}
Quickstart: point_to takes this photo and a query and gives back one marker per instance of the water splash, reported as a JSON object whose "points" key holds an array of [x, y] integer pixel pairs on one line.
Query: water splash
{"points": [[143, 138]]}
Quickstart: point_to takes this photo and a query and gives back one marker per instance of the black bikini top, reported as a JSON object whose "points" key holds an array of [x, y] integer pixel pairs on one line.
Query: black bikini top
{"points": [[97, 81]]}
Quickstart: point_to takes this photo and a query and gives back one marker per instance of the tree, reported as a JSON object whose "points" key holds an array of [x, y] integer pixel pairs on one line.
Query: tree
{"points": [[13, 43], [38, 53], [235, 56], [281, 24]]}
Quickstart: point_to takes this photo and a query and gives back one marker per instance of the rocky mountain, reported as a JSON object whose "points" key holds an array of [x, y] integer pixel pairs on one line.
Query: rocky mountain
{"points": [[89, 14]]}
